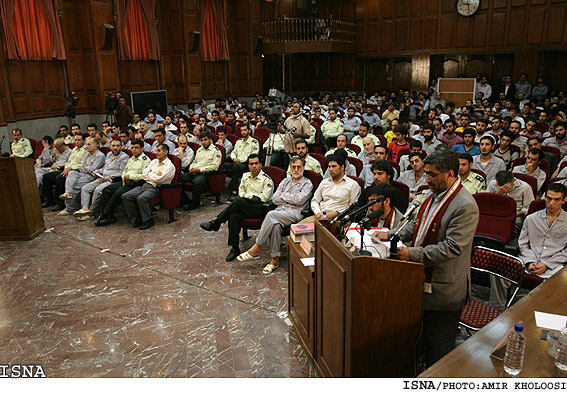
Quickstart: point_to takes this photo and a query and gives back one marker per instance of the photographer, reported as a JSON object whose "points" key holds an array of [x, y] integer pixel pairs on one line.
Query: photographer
{"points": [[123, 113]]}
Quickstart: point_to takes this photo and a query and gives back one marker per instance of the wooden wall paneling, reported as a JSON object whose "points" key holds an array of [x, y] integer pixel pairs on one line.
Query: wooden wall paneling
{"points": [[526, 62], [420, 72], [372, 11], [555, 25], [447, 6], [417, 8], [402, 8], [474, 64], [462, 30], [387, 34], [499, 4], [517, 27], [451, 67], [192, 59], [431, 7], [416, 33], [446, 31], [517, 3], [554, 69], [401, 35], [480, 26], [501, 64], [387, 8], [538, 2], [534, 25], [497, 28], [377, 75], [429, 33], [402, 73]]}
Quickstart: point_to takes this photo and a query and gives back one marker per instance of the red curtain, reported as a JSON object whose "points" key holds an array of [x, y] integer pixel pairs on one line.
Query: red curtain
{"points": [[50, 9], [136, 27], [214, 38], [31, 30]]}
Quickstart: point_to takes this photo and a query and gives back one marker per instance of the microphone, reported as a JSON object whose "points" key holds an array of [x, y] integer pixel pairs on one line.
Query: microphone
{"points": [[344, 213], [414, 205], [348, 213], [371, 216]]}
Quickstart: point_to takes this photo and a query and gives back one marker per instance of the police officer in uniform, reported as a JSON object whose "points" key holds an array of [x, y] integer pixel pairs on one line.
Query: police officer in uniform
{"points": [[471, 181], [131, 177], [243, 148], [208, 158], [256, 189]]}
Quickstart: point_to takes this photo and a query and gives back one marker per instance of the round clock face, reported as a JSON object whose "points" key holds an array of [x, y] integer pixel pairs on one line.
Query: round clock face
{"points": [[467, 7]]}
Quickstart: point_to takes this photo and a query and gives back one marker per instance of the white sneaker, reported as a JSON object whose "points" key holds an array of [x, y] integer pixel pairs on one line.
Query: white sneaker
{"points": [[64, 212], [66, 196]]}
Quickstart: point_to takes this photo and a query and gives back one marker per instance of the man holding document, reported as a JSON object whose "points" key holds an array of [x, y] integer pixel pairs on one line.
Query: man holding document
{"points": [[441, 238]]}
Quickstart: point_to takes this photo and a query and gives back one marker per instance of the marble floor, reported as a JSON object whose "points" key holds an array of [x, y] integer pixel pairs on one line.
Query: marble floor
{"points": [[86, 301]]}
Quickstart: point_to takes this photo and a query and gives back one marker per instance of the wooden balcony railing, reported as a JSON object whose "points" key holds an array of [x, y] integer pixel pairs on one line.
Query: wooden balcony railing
{"points": [[308, 29]]}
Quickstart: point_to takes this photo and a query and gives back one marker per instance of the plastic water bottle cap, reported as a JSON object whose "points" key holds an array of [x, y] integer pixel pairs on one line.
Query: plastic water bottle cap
{"points": [[518, 328]]}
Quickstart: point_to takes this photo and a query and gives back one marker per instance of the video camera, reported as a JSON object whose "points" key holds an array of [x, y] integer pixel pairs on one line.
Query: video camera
{"points": [[71, 102], [111, 102]]}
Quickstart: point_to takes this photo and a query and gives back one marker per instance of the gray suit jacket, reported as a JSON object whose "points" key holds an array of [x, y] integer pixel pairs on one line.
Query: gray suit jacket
{"points": [[450, 256]]}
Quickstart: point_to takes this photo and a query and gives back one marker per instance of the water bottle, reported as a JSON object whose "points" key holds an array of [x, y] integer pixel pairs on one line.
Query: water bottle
{"points": [[561, 354], [324, 217], [515, 347]]}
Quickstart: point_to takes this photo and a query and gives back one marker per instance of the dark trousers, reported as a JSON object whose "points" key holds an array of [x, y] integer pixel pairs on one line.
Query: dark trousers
{"points": [[53, 186], [111, 196], [439, 333], [199, 181], [237, 170], [233, 214], [278, 159]]}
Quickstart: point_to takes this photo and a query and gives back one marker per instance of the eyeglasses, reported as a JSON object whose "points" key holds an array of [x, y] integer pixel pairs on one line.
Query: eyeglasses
{"points": [[429, 175]]}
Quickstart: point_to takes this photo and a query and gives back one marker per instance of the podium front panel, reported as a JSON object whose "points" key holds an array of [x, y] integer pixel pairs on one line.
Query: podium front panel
{"points": [[301, 293]]}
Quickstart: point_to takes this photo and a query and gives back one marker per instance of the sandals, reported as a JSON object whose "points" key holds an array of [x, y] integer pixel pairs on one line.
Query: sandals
{"points": [[268, 269], [247, 257]]}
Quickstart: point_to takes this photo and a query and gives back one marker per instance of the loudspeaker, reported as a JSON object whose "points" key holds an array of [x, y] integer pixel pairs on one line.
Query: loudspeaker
{"points": [[108, 36], [260, 45], [196, 37]]}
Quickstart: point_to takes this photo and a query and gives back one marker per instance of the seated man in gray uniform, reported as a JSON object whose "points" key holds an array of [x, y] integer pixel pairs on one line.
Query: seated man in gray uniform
{"points": [[291, 197]]}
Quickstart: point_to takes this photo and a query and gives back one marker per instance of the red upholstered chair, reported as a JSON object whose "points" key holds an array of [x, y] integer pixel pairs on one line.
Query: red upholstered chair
{"points": [[497, 216], [211, 128], [404, 188], [538, 205], [357, 163], [37, 149], [542, 127], [476, 314], [383, 140], [194, 146], [262, 132], [317, 147], [228, 129], [530, 180], [317, 120], [170, 195], [34, 146], [554, 150], [277, 175], [553, 180], [115, 137], [127, 151], [321, 159], [237, 132], [354, 147], [232, 138], [71, 145], [403, 152], [544, 165], [397, 167], [315, 178], [151, 155], [105, 150], [359, 181], [216, 178], [150, 141]]}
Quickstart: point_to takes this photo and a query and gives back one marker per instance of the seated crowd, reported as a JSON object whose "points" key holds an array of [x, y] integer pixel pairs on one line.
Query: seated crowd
{"points": [[334, 150]]}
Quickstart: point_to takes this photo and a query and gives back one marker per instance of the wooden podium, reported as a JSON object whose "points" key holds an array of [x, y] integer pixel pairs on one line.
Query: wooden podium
{"points": [[20, 207], [356, 316]]}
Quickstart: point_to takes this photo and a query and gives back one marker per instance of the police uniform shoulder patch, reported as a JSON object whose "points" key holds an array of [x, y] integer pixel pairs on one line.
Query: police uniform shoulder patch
{"points": [[479, 177], [143, 157]]}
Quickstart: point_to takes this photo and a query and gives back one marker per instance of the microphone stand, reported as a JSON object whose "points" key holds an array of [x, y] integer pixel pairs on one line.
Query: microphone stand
{"points": [[395, 239]]}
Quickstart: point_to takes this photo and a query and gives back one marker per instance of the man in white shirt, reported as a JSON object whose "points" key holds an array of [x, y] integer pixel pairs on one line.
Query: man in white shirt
{"points": [[486, 161], [136, 201], [532, 168], [334, 194]]}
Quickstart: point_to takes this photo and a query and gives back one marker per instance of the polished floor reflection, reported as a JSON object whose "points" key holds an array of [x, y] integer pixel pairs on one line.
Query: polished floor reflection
{"points": [[86, 301]]}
